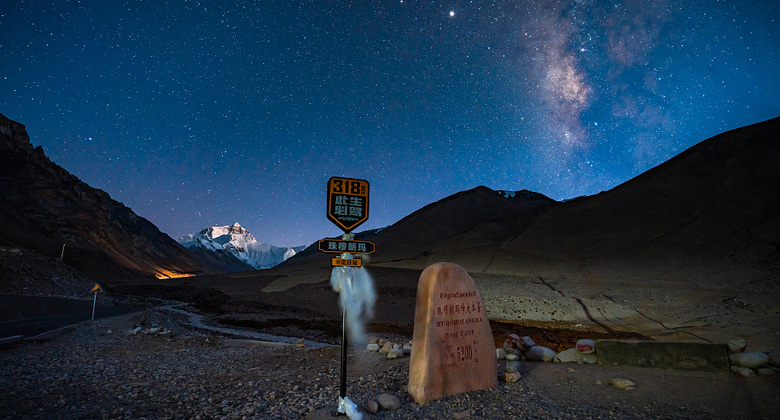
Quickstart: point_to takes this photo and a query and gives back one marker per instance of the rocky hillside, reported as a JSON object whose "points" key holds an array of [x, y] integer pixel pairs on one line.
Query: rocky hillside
{"points": [[712, 213], [472, 218], [42, 207]]}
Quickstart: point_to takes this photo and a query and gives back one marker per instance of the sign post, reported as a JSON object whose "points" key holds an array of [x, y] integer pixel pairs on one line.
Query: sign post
{"points": [[347, 209], [95, 289]]}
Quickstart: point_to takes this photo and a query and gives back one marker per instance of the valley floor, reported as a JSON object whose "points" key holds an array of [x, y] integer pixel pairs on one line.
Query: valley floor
{"points": [[99, 371]]}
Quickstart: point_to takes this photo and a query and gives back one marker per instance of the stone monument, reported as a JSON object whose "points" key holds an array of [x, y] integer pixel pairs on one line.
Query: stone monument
{"points": [[452, 347]]}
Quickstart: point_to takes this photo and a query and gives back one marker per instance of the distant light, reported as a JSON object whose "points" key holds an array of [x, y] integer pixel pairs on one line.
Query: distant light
{"points": [[452, 13]]}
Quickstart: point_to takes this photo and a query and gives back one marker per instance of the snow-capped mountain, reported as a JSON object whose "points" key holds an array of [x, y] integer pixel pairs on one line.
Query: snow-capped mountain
{"points": [[237, 241]]}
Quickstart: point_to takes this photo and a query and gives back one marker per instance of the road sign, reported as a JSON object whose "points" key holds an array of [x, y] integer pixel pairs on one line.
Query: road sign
{"points": [[338, 246], [347, 202], [346, 262]]}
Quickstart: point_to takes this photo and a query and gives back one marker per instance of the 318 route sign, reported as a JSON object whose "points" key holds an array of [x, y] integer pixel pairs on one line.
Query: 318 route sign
{"points": [[347, 202]]}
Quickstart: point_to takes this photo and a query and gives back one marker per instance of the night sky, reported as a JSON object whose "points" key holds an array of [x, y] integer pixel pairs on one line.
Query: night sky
{"points": [[207, 113]]}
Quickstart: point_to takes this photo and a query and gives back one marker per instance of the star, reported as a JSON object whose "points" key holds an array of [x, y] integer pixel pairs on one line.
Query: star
{"points": [[257, 113]]}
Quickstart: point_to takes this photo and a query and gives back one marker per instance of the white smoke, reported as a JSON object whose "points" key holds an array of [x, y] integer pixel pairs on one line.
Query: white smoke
{"points": [[357, 294]]}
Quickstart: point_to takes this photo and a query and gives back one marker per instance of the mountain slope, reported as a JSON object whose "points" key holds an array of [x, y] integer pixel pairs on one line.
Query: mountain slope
{"points": [[713, 210], [717, 203], [235, 242], [473, 218], [43, 207]]}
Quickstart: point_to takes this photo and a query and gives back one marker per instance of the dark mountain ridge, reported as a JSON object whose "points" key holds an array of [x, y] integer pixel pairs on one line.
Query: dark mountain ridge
{"points": [[712, 210], [42, 207]]}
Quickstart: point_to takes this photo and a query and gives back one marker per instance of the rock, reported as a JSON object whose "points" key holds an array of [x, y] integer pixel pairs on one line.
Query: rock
{"points": [[540, 354], [395, 354], [526, 343], [381, 342], [512, 366], [743, 371], [407, 349], [300, 344], [511, 344], [586, 346], [396, 346], [462, 414], [388, 401], [737, 346], [453, 350], [774, 358], [135, 330], [590, 359], [765, 371], [373, 340], [386, 347], [622, 383], [749, 360], [372, 406], [500, 353], [512, 357], [569, 356], [511, 377], [373, 347]]}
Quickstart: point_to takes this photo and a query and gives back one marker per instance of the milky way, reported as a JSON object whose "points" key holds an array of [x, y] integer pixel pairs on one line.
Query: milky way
{"points": [[208, 113]]}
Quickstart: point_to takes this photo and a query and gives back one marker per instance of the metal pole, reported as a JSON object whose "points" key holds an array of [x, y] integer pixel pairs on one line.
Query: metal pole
{"points": [[94, 300], [343, 392]]}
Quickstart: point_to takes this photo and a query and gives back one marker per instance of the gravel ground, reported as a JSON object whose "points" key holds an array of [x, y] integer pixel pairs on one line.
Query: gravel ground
{"points": [[98, 371]]}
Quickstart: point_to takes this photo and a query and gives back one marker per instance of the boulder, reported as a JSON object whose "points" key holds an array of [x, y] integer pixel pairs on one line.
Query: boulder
{"points": [[511, 344], [500, 353], [526, 343], [749, 360], [372, 406], [388, 401], [765, 371], [774, 358], [540, 354], [622, 383], [395, 354], [511, 377], [586, 346], [569, 356], [373, 347], [386, 347], [407, 349], [743, 371], [590, 359], [737, 346], [511, 357], [512, 365]]}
